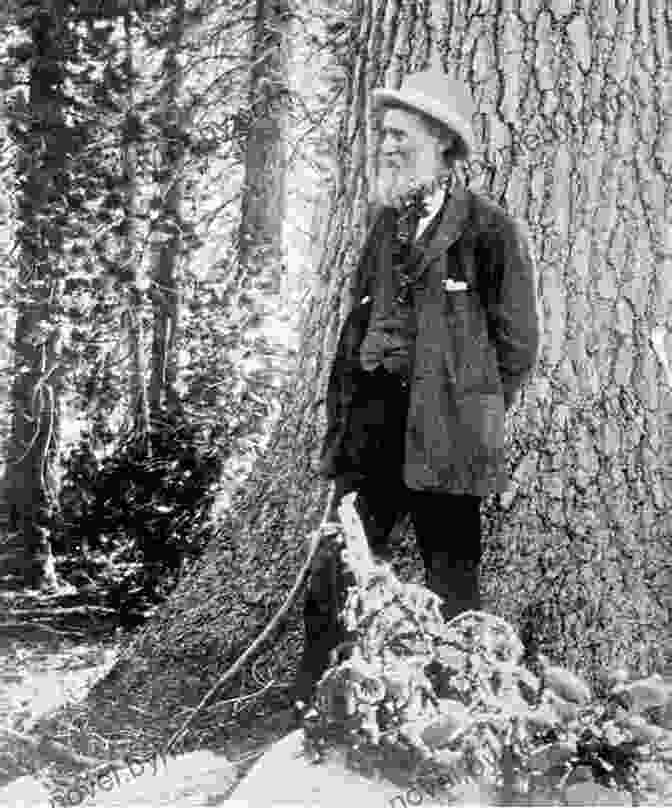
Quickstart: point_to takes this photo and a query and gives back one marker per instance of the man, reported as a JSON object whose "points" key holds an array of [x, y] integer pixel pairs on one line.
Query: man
{"points": [[441, 337]]}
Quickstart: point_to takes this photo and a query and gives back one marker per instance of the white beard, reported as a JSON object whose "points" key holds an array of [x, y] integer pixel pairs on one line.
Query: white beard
{"points": [[394, 185]]}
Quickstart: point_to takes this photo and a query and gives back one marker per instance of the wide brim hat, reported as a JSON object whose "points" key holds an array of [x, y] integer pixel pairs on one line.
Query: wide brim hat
{"points": [[443, 99]]}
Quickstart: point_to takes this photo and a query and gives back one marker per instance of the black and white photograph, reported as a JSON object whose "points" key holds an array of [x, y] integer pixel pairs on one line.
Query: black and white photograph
{"points": [[335, 403]]}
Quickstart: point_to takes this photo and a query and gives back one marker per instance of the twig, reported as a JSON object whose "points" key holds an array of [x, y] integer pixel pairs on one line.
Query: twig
{"points": [[251, 755], [322, 532], [142, 712], [44, 610], [42, 626], [217, 705], [42, 745]]}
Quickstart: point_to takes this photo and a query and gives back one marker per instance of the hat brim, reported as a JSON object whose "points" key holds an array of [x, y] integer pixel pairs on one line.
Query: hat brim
{"points": [[438, 111]]}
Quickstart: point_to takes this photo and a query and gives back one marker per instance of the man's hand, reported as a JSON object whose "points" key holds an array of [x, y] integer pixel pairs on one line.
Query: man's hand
{"points": [[387, 344], [398, 361]]}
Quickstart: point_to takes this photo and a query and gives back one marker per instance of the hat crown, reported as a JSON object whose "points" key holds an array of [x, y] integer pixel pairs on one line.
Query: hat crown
{"points": [[438, 96], [443, 89]]}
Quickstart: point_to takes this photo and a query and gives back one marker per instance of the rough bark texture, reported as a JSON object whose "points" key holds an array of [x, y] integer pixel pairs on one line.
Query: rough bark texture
{"points": [[573, 129], [43, 181], [572, 111]]}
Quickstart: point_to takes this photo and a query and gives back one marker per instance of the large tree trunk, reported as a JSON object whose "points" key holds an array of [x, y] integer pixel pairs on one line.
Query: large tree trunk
{"points": [[573, 124], [43, 183], [573, 114]]}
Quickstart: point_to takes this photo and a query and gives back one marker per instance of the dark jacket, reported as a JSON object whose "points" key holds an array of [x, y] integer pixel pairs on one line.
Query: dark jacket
{"points": [[474, 348]]}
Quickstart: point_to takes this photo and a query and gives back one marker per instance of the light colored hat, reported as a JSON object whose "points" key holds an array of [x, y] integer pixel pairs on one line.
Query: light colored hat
{"points": [[435, 94]]}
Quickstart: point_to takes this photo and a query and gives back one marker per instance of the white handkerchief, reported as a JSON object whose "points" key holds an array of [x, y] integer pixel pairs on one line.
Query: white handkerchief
{"points": [[454, 286]]}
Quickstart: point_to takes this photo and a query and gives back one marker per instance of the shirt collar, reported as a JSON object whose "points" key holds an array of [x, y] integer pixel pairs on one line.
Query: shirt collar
{"points": [[434, 203]]}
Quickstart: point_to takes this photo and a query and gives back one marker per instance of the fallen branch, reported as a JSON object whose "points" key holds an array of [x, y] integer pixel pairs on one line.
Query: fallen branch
{"points": [[44, 747], [41, 627], [60, 611], [238, 699]]}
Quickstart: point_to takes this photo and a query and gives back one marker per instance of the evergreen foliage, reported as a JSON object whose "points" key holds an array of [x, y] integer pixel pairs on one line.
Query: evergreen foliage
{"points": [[144, 151], [454, 708], [131, 520]]}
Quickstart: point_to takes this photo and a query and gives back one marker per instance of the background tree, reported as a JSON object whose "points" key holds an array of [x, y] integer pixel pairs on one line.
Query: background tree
{"points": [[130, 166], [168, 110], [128, 272], [44, 148], [167, 242], [263, 206]]}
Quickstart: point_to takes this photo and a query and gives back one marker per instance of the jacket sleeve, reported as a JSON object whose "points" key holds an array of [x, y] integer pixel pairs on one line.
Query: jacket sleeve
{"points": [[345, 373], [512, 311]]}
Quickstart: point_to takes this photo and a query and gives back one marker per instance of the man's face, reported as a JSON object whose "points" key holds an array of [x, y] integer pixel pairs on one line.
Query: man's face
{"points": [[411, 155]]}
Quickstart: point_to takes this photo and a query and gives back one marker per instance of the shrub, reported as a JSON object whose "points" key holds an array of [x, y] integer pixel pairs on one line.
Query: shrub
{"points": [[452, 708], [131, 519]]}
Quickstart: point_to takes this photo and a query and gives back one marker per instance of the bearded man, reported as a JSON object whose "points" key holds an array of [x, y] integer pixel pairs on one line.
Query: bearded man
{"points": [[441, 337]]}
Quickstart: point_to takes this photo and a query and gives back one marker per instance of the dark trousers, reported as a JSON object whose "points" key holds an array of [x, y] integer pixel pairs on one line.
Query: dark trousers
{"points": [[448, 532]]}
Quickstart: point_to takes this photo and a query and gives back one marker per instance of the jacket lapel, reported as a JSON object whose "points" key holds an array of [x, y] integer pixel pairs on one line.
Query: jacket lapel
{"points": [[453, 220]]}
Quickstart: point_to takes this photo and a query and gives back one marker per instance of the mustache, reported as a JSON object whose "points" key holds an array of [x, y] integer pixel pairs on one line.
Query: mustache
{"points": [[393, 186]]}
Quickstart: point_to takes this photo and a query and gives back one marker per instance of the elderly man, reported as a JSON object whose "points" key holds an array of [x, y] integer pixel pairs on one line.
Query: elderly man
{"points": [[442, 334]]}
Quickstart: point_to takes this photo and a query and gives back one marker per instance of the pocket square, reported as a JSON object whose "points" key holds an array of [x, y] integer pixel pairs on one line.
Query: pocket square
{"points": [[454, 286]]}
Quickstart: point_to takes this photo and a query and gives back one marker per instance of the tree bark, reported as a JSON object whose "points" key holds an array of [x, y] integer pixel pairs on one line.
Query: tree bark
{"points": [[164, 290], [132, 315], [43, 180], [260, 247], [572, 115], [571, 120]]}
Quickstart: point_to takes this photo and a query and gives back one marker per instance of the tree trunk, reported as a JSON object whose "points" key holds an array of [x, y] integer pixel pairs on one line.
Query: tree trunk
{"points": [[572, 110], [260, 247], [6, 278], [43, 180], [164, 291], [132, 321], [572, 107]]}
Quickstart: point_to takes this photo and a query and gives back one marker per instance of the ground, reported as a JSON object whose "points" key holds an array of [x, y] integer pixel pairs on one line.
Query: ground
{"points": [[47, 668], [45, 675]]}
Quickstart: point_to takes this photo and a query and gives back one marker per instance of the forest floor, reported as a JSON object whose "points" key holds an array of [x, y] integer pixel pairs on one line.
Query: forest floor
{"points": [[49, 657], [61, 675], [47, 692]]}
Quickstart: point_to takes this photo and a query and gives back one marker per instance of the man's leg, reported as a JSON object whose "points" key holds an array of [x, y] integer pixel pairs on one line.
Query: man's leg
{"points": [[380, 508], [448, 531], [325, 598]]}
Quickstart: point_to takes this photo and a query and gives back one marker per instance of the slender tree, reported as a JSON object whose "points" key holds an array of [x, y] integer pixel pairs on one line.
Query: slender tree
{"points": [[6, 228], [167, 209], [128, 271], [43, 182], [260, 243]]}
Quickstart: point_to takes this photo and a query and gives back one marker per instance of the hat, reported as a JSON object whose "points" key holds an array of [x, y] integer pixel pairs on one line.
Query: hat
{"points": [[435, 94]]}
